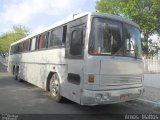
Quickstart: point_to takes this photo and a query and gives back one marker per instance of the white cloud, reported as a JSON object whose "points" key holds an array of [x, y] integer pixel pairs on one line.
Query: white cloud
{"points": [[24, 11]]}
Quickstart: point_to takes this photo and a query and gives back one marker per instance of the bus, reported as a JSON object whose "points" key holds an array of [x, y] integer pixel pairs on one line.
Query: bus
{"points": [[90, 58]]}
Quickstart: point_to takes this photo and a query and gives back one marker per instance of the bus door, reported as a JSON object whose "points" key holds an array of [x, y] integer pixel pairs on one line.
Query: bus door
{"points": [[75, 61]]}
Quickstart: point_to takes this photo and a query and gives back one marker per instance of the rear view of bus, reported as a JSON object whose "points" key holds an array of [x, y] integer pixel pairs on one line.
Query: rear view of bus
{"points": [[113, 70]]}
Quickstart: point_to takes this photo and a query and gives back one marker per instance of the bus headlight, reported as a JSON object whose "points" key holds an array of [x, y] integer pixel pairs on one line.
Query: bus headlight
{"points": [[98, 97], [106, 96]]}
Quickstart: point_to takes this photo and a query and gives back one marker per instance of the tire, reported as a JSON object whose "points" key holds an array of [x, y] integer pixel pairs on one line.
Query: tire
{"points": [[17, 76], [15, 73], [54, 88]]}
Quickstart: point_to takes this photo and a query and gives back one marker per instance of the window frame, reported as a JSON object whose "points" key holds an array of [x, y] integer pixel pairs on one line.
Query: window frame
{"points": [[78, 26]]}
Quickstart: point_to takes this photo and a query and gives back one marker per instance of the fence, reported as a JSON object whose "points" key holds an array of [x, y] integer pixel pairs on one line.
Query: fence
{"points": [[151, 66]]}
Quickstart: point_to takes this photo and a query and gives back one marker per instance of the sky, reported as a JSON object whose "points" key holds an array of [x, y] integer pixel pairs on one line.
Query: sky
{"points": [[38, 14]]}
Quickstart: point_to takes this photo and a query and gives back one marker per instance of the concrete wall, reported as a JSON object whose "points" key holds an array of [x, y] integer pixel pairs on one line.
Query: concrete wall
{"points": [[152, 80]]}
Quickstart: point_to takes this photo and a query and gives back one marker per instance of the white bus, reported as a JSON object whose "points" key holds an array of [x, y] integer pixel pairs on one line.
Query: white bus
{"points": [[91, 59]]}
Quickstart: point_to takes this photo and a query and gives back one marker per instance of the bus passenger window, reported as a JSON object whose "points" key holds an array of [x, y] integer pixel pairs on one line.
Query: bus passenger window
{"points": [[20, 47], [64, 34], [40, 42], [45, 40], [36, 44], [33, 42], [27, 45], [56, 37], [30, 43]]}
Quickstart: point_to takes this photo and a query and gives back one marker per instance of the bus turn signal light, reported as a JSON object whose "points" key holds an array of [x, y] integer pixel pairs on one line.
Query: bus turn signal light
{"points": [[91, 78]]}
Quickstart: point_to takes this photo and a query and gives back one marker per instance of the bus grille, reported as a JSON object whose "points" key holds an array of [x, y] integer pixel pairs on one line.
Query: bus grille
{"points": [[120, 79]]}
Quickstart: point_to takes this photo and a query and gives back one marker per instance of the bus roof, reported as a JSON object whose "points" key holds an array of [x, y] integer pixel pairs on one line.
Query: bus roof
{"points": [[76, 16]]}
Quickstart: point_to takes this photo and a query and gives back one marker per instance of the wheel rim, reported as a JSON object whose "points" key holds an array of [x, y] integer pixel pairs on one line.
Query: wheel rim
{"points": [[55, 86]]}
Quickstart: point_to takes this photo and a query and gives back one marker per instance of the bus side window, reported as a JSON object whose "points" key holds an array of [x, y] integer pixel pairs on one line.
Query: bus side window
{"points": [[51, 38], [56, 37], [45, 40], [64, 34], [36, 43], [33, 42], [40, 42], [20, 47], [23, 46], [30, 43], [27, 45]]}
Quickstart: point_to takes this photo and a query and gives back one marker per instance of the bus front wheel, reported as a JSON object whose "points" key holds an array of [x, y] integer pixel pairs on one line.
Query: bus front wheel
{"points": [[55, 88]]}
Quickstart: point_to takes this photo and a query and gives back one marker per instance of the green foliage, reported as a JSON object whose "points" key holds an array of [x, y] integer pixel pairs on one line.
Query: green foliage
{"points": [[146, 13], [7, 38], [154, 47]]}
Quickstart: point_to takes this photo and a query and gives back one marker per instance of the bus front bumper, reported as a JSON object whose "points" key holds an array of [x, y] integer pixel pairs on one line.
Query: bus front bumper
{"points": [[90, 97]]}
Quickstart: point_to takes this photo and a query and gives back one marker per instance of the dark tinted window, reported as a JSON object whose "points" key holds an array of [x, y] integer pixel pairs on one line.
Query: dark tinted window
{"points": [[20, 47], [12, 49], [76, 42], [45, 40], [16, 48], [64, 34], [27, 45], [30, 44]]}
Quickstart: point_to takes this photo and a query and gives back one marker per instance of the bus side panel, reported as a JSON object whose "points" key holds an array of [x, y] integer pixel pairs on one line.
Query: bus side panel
{"points": [[36, 66]]}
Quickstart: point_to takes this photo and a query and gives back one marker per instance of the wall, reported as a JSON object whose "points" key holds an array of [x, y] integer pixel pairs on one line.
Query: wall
{"points": [[152, 80]]}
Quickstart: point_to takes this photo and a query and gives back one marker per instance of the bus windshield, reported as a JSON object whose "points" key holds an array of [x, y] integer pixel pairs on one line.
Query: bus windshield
{"points": [[109, 37]]}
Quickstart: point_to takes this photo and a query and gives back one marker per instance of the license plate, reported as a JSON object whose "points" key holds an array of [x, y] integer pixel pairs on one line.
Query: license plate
{"points": [[124, 97]]}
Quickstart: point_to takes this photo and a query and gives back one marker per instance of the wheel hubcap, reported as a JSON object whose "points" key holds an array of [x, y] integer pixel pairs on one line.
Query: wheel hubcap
{"points": [[55, 87]]}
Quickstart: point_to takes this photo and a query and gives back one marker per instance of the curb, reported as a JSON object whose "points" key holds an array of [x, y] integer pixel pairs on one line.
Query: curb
{"points": [[149, 103]]}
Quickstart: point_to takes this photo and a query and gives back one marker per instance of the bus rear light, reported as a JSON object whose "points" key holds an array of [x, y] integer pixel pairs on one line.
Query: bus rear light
{"points": [[106, 96], [91, 78]]}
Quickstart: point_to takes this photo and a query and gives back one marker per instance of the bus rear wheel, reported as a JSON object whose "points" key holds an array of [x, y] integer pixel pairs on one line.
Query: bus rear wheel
{"points": [[18, 76], [55, 88], [15, 73]]}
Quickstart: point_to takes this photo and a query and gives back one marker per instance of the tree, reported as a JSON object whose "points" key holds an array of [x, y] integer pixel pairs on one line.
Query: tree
{"points": [[146, 13], [154, 47], [7, 38]]}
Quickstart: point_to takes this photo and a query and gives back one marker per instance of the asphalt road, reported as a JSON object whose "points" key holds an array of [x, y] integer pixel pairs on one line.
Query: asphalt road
{"points": [[24, 98]]}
